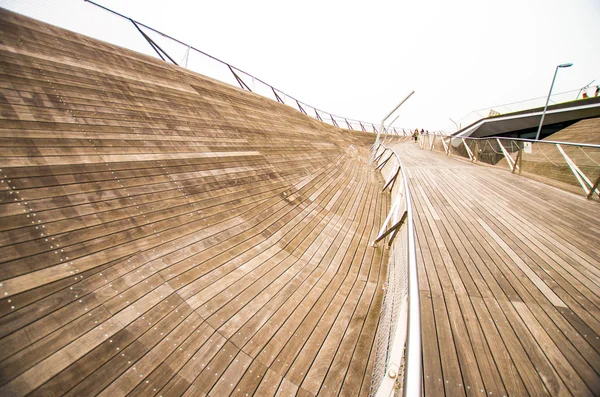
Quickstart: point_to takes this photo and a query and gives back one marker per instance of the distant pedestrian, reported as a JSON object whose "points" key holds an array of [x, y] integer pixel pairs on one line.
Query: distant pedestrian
{"points": [[597, 90], [416, 134], [584, 95]]}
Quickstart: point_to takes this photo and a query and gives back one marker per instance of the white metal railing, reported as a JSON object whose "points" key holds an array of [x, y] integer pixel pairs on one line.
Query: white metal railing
{"points": [[398, 339], [137, 36], [532, 104], [574, 164]]}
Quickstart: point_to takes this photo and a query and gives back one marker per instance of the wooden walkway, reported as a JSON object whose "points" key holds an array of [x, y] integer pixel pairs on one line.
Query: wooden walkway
{"points": [[165, 234], [509, 272]]}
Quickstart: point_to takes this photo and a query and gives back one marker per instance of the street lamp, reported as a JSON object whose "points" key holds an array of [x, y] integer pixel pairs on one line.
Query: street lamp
{"points": [[562, 65], [383, 121]]}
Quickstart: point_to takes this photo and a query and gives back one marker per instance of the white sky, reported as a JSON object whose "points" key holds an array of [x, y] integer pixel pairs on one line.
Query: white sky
{"points": [[358, 59]]}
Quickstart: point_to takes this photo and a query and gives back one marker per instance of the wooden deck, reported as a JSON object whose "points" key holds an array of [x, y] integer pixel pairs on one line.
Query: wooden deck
{"points": [[509, 272], [165, 234]]}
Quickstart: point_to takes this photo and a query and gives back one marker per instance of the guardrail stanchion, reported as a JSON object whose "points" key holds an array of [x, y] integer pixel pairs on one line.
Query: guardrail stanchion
{"points": [[594, 189], [518, 161], [581, 178], [469, 152]]}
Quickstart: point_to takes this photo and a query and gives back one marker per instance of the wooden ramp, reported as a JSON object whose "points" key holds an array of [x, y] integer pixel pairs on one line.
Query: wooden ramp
{"points": [[162, 233], [509, 272]]}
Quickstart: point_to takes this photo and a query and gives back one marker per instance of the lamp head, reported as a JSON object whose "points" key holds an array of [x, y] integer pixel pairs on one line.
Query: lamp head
{"points": [[565, 65]]}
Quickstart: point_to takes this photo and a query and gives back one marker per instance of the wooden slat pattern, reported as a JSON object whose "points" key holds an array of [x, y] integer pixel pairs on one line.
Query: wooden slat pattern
{"points": [[509, 280], [163, 233]]}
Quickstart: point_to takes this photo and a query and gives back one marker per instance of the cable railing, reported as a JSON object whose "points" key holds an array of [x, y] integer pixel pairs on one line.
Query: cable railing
{"points": [[571, 166], [532, 104], [182, 54], [397, 367]]}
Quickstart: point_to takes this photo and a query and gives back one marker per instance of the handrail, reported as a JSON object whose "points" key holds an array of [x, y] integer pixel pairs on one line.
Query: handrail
{"points": [[441, 134], [314, 113], [522, 148], [527, 113], [513, 107], [407, 338], [590, 145]]}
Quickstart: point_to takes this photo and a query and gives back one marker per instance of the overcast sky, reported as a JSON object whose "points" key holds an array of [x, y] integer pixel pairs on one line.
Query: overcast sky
{"points": [[358, 59]]}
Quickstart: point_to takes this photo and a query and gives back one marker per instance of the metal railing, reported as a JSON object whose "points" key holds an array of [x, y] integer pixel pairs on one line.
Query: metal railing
{"points": [[397, 368], [533, 104], [568, 165], [179, 53]]}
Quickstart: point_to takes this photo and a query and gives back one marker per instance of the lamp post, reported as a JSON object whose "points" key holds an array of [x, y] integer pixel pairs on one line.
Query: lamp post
{"points": [[383, 121], [562, 65]]}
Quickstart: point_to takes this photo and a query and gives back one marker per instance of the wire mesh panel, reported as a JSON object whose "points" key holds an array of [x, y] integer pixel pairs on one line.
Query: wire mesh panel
{"points": [[457, 148], [400, 253], [509, 150], [392, 329], [586, 158], [394, 300], [565, 166], [490, 153], [570, 166], [546, 160], [382, 337]]}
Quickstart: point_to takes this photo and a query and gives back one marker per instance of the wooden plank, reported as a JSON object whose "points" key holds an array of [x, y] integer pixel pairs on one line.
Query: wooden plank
{"points": [[124, 348], [227, 384], [504, 246], [161, 206], [250, 381], [42, 372]]}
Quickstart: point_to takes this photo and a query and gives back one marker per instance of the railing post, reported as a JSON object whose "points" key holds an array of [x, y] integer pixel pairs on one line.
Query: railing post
{"points": [[517, 164], [594, 189], [392, 179], [277, 96], [154, 46], [445, 145], [300, 108], [317, 113], [471, 157], [333, 120], [348, 124], [511, 163], [581, 178], [239, 80]]}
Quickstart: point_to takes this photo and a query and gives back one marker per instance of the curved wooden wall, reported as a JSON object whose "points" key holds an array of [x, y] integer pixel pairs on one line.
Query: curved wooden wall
{"points": [[162, 233]]}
